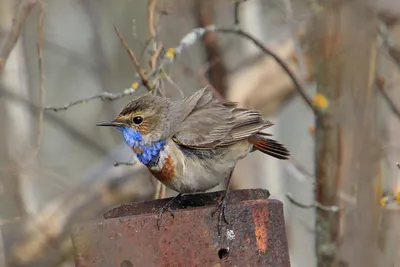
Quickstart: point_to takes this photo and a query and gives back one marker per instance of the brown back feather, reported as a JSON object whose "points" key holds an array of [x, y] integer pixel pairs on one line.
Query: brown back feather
{"points": [[213, 124]]}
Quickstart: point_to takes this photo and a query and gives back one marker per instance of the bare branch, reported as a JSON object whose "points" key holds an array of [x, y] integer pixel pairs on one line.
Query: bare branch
{"points": [[236, 12], [20, 16], [102, 96], [142, 75], [155, 56], [41, 82], [160, 190], [150, 12], [380, 83], [283, 65], [118, 163], [192, 37], [317, 205]]}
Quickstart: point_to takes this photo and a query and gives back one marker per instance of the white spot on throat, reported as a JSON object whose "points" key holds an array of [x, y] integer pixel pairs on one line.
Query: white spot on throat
{"points": [[163, 156]]}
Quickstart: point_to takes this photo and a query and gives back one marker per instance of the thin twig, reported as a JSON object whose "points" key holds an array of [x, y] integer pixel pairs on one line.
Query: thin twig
{"points": [[150, 19], [154, 57], [119, 163], [22, 12], [102, 96], [134, 59], [380, 84], [317, 205], [41, 80], [236, 11], [169, 79], [299, 171], [162, 191]]}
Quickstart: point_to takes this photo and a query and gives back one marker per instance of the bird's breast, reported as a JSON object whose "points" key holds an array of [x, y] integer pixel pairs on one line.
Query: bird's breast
{"points": [[168, 166]]}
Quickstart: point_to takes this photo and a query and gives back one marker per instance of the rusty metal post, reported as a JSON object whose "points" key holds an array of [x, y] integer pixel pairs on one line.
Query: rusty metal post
{"points": [[128, 236]]}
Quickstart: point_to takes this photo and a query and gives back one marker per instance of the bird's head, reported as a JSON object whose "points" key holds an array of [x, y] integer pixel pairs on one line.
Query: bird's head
{"points": [[142, 121]]}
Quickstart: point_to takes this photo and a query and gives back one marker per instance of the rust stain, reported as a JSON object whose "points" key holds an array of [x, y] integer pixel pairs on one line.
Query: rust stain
{"points": [[260, 218], [260, 201], [167, 173]]}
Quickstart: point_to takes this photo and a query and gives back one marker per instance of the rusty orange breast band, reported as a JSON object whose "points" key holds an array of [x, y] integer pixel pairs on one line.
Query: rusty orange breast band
{"points": [[167, 172]]}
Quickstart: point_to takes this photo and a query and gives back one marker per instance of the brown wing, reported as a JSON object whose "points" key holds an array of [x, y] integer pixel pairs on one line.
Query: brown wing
{"points": [[212, 124]]}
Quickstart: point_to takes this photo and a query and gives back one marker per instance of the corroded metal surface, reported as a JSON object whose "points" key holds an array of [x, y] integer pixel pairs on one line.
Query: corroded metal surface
{"points": [[129, 235]]}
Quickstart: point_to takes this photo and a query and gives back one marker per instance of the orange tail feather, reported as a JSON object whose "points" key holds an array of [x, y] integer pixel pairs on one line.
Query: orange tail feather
{"points": [[269, 147]]}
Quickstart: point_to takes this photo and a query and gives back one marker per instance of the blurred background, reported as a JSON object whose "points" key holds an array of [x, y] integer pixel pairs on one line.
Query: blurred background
{"points": [[341, 122]]}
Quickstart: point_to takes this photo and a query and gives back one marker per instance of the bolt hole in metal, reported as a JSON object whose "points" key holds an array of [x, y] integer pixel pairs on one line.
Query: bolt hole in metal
{"points": [[126, 263], [223, 253]]}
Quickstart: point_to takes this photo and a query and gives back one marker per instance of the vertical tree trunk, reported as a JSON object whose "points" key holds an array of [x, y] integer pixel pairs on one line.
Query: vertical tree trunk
{"points": [[328, 139], [346, 139], [15, 136]]}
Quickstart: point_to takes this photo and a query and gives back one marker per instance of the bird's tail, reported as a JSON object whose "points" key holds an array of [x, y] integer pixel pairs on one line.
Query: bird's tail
{"points": [[269, 147]]}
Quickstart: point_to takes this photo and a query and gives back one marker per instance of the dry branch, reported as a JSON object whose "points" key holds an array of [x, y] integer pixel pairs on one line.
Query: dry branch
{"points": [[381, 87], [41, 83], [317, 205], [142, 75], [22, 12], [102, 96], [281, 63]]}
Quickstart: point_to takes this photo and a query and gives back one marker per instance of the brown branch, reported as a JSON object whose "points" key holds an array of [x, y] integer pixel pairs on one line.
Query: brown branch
{"points": [[160, 190], [134, 60], [22, 12], [155, 56], [150, 12]]}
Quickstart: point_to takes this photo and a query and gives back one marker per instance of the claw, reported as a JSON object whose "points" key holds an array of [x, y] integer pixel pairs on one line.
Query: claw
{"points": [[164, 208], [221, 207]]}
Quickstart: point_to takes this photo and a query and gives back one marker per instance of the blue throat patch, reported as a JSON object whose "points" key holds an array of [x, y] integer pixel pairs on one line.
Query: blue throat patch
{"points": [[150, 152]]}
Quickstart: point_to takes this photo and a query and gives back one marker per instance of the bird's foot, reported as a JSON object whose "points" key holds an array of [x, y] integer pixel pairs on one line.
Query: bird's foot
{"points": [[222, 205], [165, 208]]}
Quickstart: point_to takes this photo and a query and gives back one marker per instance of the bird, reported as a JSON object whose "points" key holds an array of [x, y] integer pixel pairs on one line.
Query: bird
{"points": [[192, 144]]}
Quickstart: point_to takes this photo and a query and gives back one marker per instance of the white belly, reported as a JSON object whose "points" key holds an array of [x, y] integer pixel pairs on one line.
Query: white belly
{"points": [[198, 172]]}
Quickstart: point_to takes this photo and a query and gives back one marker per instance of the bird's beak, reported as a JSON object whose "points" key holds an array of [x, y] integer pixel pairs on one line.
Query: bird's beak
{"points": [[110, 123]]}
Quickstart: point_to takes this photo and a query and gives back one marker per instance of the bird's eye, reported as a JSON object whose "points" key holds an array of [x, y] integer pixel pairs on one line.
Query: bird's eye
{"points": [[137, 120]]}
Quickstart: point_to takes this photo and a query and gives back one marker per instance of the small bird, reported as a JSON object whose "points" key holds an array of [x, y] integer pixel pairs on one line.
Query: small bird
{"points": [[193, 144]]}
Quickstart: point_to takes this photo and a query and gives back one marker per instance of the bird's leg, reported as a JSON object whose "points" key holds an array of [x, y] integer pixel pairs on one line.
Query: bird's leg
{"points": [[166, 207], [222, 205]]}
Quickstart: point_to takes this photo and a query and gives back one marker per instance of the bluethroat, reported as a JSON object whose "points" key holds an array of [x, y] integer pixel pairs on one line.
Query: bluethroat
{"points": [[192, 144]]}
